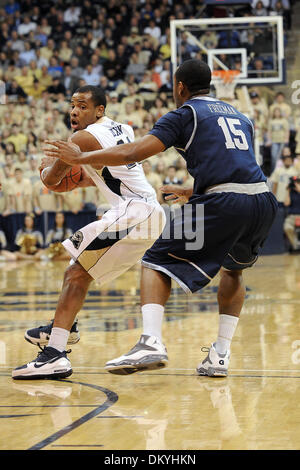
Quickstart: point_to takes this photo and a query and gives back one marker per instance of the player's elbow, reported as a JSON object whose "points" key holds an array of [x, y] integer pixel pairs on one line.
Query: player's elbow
{"points": [[130, 155], [134, 154]]}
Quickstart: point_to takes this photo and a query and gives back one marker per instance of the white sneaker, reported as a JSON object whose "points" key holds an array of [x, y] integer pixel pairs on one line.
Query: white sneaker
{"points": [[148, 354], [215, 364], [49, 364]]}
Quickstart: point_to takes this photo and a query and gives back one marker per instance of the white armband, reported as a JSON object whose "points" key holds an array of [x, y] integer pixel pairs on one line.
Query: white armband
{"points": [[42, 177]]}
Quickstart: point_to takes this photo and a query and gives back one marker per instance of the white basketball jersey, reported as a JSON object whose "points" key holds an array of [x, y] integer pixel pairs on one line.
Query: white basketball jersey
{"points": [[124, 181]]}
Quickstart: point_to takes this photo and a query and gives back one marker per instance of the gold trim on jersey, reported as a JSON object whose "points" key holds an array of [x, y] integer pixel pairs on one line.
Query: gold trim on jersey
{"points": [[88, 259], [99, 172]]}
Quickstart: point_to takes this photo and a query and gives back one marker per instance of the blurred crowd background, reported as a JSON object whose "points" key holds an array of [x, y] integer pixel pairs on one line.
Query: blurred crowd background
{"points": [[50, 48]]}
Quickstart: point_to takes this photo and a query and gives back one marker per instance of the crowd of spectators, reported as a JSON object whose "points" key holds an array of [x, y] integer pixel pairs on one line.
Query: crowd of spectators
{"points": [[48, 49]]}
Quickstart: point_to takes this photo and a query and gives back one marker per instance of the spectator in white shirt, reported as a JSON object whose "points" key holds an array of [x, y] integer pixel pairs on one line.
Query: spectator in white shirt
{"points": [[153, 30], [27, 26], [40, 60], [71, 15], [90, 76], [28, 54]]}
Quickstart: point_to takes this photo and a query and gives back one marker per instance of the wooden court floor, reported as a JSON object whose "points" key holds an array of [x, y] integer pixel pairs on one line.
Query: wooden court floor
{"points": [[256, 407]]}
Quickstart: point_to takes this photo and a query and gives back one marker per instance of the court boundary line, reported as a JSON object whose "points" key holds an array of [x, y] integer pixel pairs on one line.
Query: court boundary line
{"points": [[153, 374], [156, 374]]}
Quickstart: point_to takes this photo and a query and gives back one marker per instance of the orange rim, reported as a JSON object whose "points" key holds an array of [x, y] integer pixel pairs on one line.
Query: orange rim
{"points": [[225, 75]]}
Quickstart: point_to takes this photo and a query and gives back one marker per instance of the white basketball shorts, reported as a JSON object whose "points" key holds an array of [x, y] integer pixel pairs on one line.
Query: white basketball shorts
{"points": [[108, 247]]}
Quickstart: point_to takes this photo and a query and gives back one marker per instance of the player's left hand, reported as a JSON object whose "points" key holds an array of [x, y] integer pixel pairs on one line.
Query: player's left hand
{"points": [[65, 151], [176, 194]]}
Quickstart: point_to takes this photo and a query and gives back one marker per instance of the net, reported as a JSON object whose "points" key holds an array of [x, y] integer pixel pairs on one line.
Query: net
{"points": [[225, 82]]}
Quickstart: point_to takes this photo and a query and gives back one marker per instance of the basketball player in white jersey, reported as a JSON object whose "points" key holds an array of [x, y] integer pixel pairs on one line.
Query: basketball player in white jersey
{"points": [[103, 249]]}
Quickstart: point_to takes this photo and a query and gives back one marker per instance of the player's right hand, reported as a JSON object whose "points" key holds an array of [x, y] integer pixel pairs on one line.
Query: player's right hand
{"points": [[85, 180], [45, 166]]}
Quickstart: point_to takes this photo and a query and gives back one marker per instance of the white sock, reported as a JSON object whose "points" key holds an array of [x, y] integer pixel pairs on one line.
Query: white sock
{"points": [[227, 326], [59, 338], [152, 320]]}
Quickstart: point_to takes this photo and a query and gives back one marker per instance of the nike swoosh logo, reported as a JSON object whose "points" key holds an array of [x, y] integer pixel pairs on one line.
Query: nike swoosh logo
{"points": [[44, 363]]}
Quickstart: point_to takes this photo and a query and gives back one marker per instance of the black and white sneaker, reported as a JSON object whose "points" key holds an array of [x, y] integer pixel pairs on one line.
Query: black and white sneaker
{"points": [[49, 364], [148, 354], [41, 335]]}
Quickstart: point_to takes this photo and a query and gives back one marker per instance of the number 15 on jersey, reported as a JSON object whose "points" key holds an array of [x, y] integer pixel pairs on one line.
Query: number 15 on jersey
{"points": [[234, 138]]}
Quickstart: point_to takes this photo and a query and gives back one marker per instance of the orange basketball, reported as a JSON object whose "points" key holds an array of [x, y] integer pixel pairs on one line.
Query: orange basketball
{"points": [[70, 181]]}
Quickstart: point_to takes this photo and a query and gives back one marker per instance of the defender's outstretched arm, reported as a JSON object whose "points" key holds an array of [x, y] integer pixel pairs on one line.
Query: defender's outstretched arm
{"points": [[114, 156]]}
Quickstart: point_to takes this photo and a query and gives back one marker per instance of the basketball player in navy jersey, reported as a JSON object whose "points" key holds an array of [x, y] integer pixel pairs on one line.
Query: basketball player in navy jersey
{"points": [[217, 143]]}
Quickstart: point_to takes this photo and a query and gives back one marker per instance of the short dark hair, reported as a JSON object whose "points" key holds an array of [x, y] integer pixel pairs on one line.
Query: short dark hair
{"points": [[98, 94], [195, 74]]}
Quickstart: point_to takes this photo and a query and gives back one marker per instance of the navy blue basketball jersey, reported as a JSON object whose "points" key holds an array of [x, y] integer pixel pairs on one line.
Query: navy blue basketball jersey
{"points": [[215, 139]]}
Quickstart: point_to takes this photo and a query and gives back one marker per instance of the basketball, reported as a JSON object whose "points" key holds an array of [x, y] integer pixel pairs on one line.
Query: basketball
{"points": [[70, 181]]}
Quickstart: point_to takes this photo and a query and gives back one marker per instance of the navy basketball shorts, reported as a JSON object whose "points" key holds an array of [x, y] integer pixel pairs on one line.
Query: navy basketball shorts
{"points": [[220, 230]]}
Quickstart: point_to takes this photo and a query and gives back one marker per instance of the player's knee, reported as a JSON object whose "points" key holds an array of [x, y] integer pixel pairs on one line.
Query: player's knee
{"points": [[75, 274], [234, 274]]}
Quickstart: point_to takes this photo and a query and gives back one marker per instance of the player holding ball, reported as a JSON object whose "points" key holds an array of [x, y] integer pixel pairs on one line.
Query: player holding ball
{"points": [[103, 249]]}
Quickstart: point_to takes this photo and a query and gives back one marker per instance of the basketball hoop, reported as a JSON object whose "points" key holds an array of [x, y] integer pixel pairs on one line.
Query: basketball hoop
{"points": [[227, 76], [225, 82]]}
